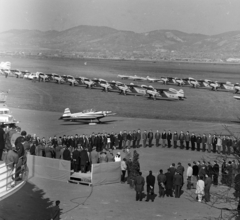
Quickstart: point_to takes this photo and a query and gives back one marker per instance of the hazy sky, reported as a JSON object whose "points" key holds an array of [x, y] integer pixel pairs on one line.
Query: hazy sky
{"points": [[192, 16]]}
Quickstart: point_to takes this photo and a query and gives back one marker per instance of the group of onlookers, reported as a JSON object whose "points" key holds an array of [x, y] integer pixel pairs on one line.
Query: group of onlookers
{"points": [[199, 175], [134, 139]]}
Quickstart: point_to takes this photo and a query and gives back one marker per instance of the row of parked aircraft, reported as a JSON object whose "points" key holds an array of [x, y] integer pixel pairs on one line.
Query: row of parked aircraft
{"points": [[202, 83], [113, 86]]}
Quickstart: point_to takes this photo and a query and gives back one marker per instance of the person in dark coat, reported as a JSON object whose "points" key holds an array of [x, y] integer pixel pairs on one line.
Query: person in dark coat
{"points": [[55, 215], [168, 184], [150, 138], [214, 143], [84, 160], [120, 140], [150, 179], [169, 138], [139, 183], [208, 183], [193, 140], [180, 170], [195, 173], [76, 159], [215, 173], [19, 143], [66, 154], [161, 183], [177, 183], [2, 142], [199, 141]]}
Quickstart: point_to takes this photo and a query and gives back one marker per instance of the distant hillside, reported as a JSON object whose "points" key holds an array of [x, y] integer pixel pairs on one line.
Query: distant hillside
{"points": [[111, 41]]}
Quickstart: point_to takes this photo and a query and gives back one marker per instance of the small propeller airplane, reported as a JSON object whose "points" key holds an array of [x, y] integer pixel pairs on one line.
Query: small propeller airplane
{"points": [[149, 79], [171, 94], [86, 115]]}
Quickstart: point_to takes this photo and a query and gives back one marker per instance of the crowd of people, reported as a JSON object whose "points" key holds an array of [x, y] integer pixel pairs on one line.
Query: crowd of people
{"points": [[84, 150]]}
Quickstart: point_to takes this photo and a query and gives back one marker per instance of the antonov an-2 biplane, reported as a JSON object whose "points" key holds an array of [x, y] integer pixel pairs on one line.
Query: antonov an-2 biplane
{"points": [[86, 115]]}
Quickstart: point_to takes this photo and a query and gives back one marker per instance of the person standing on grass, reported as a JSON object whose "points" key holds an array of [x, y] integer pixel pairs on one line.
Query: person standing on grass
{"points": [[175, 139], [129, 139], [208, 183], [150, 138], [195, 173], [215, 173], [177, 183], [204, 142], [157, 138], [139, 186], [56, 211], [150, 179], [123, 168], [169, 184], [189, 176], [164, 137], [200, 189], [144, 137], [214, 143], [187, 140], [181, 139], [169, 138], [138, 138], [193, 140], [209, 143], [219, 144], [161, 178], [199, 141]]}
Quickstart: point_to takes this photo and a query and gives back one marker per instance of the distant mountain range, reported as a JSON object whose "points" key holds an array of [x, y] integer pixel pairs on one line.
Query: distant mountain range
{"points": [[111, 41]]}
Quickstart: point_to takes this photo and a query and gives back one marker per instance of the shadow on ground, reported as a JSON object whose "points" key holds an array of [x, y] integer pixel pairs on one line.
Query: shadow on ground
{"points": [[29, 198]]}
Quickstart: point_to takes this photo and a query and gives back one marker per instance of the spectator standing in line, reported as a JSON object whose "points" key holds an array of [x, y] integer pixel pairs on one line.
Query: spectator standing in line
{"points": [[164, 137], [138, 138], [189, 176], [144, 138], [150, 179], [139, 186], [224, 142], [124, 140], [150, 138], [204, 142], [175, 139], [181, 139], [193, 140], [94, 156], [66, 154], [229, 145], [187, 140], [161, 178], [134, 139], [200, 188], [208, 183], [214, 143], [219, 144], [84, 160], [76, 159], [116, 142], [209, 143], [123, 169], [120, 140], [129, 139], [169, 184], [215, 173], [195, 173], [199, 141], [157, 138], [169, 138], [177, 183]]}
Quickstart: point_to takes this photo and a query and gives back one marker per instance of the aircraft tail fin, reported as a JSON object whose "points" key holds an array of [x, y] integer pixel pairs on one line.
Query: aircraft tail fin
{"points": [[67, 111]]}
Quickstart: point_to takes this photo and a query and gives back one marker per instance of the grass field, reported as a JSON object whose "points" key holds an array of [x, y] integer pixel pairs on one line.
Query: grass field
{"points": [[200, 105]]}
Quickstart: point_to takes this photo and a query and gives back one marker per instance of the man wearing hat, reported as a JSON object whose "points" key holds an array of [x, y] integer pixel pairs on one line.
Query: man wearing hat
{"points": [[103, 157]]}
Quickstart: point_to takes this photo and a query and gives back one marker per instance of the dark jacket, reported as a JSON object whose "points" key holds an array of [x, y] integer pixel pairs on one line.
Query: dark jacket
{"points": [[66, 154], [177, 180], [169, 181], [84, 157], [139, 183], [150, 179], [195, 170], [2, 140]]}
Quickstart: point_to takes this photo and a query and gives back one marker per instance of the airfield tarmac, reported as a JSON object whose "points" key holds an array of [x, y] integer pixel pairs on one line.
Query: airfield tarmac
{"points": [[39, 105]]}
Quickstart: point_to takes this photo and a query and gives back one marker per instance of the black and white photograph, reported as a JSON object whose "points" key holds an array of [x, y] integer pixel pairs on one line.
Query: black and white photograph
{"points": [[120, 109]]}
